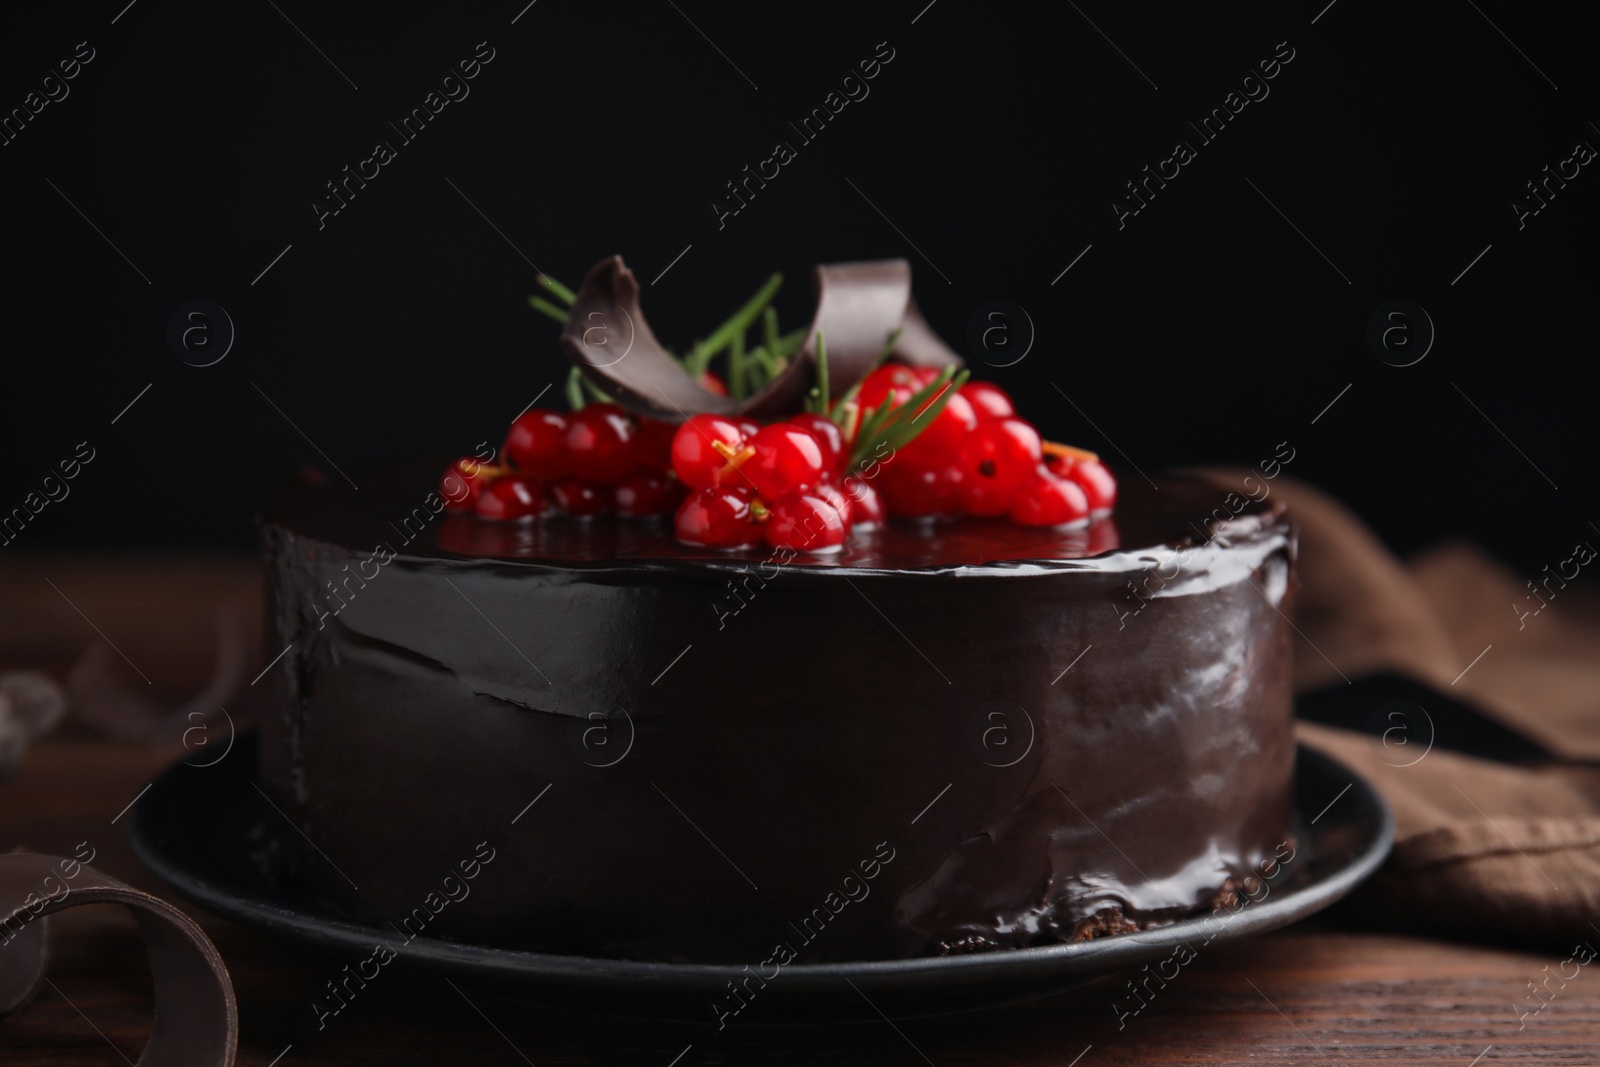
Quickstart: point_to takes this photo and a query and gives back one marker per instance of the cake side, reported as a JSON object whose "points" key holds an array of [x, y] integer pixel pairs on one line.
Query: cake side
{"points": [[908, 749]]}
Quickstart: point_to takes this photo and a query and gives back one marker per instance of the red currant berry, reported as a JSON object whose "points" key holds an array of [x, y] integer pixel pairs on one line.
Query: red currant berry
{"points": [[806, 522], [462, 482], [830, 492], [509, 498], [748, 427], [987, 498], [537, 443], [787, 459], [988, 400], [997, 457], [580, 498], [644, 493], [654, 448], [866, 507], [1097, 483], [719, 517], [600, 441], [713, 385], [828, 435], [923, 492], [1047, 499], [894, 382], [694, 455], [941, 441]]}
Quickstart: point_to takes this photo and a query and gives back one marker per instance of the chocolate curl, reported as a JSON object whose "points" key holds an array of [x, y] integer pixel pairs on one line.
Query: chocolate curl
{"points": [[859, 306], [197, 1021]]}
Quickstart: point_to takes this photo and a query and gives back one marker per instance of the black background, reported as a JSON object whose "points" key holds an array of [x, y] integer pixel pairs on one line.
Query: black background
{"points": [[1207, 330]]}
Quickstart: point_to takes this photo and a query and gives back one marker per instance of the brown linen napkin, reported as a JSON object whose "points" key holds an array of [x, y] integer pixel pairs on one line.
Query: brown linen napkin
{"points": [[1481, 846]]}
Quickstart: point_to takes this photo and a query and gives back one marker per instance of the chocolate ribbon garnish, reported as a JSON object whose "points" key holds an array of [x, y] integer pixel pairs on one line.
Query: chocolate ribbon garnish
{"points": [[859, 307], [197, 1021]]}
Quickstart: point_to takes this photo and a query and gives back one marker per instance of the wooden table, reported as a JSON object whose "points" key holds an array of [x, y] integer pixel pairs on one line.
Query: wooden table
{"points": [[1316, 993]]}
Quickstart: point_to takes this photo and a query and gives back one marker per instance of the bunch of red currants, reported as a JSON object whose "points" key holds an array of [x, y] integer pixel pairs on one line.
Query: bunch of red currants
{"points": [[733, 483], [591, 461], [979, 458]]}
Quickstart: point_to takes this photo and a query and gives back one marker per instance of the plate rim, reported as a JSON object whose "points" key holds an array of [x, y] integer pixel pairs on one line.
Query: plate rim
{"points": [[340, 934]]}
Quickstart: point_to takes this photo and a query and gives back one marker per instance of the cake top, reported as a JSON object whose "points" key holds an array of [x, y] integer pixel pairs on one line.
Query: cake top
{"points": [[397, 511], [853, 444]]}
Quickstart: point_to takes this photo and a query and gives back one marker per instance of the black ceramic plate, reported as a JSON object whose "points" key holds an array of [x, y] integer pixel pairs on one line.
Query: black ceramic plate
{"points": [[199, 826]]}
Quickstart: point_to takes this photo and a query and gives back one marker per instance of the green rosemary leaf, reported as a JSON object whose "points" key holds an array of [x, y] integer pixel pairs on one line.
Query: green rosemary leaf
{"points": [[790, 343], [763, 365], [897, 425], [738, 323], [559, 291], [575, 398], [817, 399], [769, 320], [839, 412], [738, 368], [594, 390], [872, 422], [539, 303], [697, 361]]}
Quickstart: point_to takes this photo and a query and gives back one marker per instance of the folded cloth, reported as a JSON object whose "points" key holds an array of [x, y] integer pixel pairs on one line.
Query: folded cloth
{"points": [[1482, 846]]}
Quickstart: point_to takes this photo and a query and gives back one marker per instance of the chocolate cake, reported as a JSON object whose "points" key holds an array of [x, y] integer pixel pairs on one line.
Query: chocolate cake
{"points": [[589, 734], [1025, 736]]}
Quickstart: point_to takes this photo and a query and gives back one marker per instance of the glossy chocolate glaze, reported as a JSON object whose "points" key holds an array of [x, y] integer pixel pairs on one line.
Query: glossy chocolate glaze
{"points": [[1035, 727]]}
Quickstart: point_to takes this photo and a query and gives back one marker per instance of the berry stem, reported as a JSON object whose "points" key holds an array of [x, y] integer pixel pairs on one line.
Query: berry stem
{"points": [[851, 414], [1081, 455], [734, 458]]}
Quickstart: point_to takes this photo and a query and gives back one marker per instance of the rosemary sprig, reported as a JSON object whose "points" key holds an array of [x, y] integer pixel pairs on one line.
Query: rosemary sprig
{"points": [[769, 321], [751, 368], [578, 386], [539, 303], [817, 398], [764, 361], [790, 343], [738, 368], [556, 289], [738, 324], [897, 425], [841, 411]]}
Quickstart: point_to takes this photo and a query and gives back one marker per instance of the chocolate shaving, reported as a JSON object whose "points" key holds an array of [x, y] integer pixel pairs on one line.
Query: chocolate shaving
{"points": [[859, 306], [197, 1020]]}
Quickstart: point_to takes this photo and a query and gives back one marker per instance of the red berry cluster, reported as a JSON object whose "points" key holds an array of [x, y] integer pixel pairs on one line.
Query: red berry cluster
{"points": [[595, 460], [733, 483], [784, 483], [976, 457], [979, 459]]}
